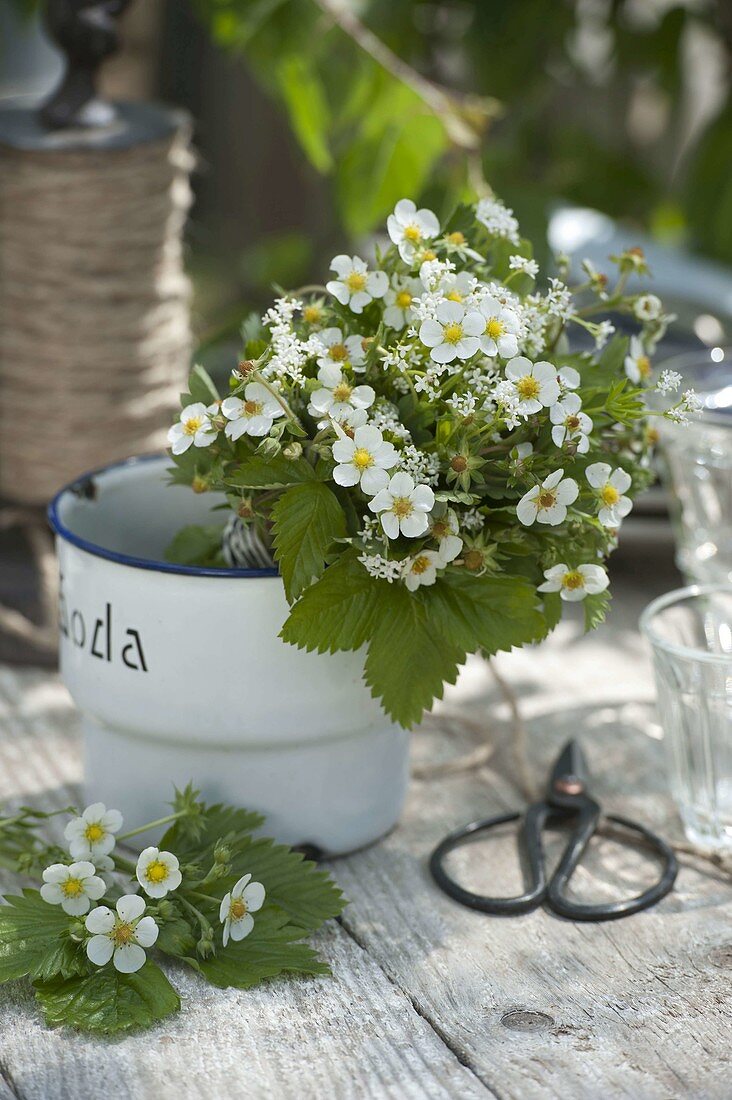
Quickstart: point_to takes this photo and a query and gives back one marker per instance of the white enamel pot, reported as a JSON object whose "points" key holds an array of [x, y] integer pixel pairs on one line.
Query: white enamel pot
{"points": [[180, 676]]}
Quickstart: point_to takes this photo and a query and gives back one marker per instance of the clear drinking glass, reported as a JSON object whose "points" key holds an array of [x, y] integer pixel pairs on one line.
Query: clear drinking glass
{"points": [[690, 631], [697, 469]]}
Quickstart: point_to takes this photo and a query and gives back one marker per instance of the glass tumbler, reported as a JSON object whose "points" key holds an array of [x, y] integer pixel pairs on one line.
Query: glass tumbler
{"points": [[690, 631], [696, 464]]}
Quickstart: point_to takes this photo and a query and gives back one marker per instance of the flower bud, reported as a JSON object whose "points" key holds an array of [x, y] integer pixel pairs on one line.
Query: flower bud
{"points": [[222, 853], [200, 484], [166, 909], [205, 946], [292, 450], [246, 367], [77, 931]]}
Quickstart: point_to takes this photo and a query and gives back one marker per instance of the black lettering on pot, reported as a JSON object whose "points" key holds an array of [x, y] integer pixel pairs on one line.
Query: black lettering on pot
{"points": [[130, 649], [78, 629]]}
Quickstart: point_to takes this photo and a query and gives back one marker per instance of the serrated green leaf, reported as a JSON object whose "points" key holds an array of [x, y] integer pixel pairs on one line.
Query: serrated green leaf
{"points": [[175, 938], [552, 602], [278, 472], [306, 521], [107, 1002], [595, 608], [271, 948], [409, 659], [33, 937], [485, 613], [213, 823], [197, 545], [338, 611]]}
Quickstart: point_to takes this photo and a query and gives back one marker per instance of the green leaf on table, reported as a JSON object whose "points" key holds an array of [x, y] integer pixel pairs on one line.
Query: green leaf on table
{"points": [[107, 1002], [307, 519], [409, 658], [34, 939], [271, 948], [277, 472], [197, 544], [338, 612], [486, 613], [200, 387]]}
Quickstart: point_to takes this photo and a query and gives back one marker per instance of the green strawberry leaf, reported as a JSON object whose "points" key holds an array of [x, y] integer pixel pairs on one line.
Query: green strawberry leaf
{"points": [[34, 939], [307, 520], [275, 472], [338, 612], [270, 949], [106, 1002]]}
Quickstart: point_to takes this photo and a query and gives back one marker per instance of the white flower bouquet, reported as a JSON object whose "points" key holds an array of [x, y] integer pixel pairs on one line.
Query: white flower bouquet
{"points": [[423, 450]]}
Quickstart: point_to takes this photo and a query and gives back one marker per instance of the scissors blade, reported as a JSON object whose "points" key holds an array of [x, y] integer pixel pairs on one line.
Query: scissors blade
{"points": [[570, 763]]}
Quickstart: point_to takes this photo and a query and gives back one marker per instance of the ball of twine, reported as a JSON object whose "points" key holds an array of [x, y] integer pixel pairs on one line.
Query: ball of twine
{"points": [[94, 308]]}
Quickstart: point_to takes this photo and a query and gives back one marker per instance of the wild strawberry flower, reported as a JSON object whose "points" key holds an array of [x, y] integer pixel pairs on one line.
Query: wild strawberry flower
{"points": [[568, 378], [609, 486], [158, 872], [337, 394], [570, 424], [444, 528], [453, 333], [235, 913], [421, 569], [254, 414], [121, 935], [194, 428], [575, 582], [399, 300], [648, 307], [356, 286], [364, 459], [637, 364], [535, 384], [73, 887], [92, 834], [457, 286], [409, 228], [548, 502], [403, 507], [339, 350], [501, 328]]}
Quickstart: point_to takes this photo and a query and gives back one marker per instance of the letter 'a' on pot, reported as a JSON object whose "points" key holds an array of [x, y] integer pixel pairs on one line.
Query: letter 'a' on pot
{"points": [[180, 676]]}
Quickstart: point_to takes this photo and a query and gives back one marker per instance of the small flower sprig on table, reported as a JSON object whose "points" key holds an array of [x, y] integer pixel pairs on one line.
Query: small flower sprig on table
{"points": [[234, 906], [437, 446]]}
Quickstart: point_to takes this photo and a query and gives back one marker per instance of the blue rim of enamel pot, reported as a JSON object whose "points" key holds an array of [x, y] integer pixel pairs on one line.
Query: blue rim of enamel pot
{"points": [[81, 486]]}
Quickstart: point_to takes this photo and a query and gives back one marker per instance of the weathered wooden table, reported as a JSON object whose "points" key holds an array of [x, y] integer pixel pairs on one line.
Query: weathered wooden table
{"points": [[429, 999]]}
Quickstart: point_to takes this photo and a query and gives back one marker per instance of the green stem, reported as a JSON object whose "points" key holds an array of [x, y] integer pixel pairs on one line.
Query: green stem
{"points": [[204, 922], [257, 376], [153, 825]]}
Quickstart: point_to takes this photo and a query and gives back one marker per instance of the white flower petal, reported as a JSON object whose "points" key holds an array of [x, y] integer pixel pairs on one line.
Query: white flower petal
{"points": [[346, 475], [146, 932], [415, 525], [129, 959], [241, 928], [373, 480], [598, 473], [253, 896], [99, 950], [100, 921], [390, 524], [130, 907], [52, 893]]}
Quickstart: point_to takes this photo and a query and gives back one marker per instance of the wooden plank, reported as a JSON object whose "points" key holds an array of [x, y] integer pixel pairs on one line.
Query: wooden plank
{"points": [[537, 1006], [355, 1035]]}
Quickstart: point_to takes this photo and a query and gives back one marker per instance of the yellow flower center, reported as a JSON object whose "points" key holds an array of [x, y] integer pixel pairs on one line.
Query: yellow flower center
{"points": [[192, 424], [95, 832], [644, 365], [652, 436], [454, 296], [610, 495], [547, 498], [428, 254], [342, 391], [404, 299], [440, 529], [573, 579], [157, 871], [252, 408], [453, 333], [123, 933], [494, 328], [72, 887], [338, 352], [413, 233], [355, 281], [456, 238], [527, 387], [237, 908], [362, 458], [572, 423], [402, 507], [420, 565], [312, 314]]}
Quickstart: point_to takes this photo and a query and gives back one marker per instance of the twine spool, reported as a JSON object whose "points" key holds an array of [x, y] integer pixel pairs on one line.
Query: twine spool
{"points": [[94, 303]]}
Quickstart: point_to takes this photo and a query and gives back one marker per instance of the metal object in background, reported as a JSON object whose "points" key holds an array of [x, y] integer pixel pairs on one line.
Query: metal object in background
{"points": [[690, 631], [86, 31], [567, 800]]}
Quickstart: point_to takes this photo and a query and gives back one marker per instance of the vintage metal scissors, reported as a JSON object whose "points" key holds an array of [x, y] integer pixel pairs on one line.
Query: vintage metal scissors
{"points": [[567, 801]]}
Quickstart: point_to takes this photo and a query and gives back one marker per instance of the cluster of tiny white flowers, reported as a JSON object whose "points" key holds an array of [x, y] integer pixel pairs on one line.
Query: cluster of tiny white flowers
{"points": [[689, 403], [462, 403], [505, 395], [669, 381], [472, 520], [383, 569], [482, 377], [432, 273], [385, 417], [498, 219], [558, 302], [289, 352], [524, 264], [534, 322], [603, 332], [421, 465]]}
